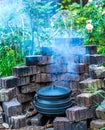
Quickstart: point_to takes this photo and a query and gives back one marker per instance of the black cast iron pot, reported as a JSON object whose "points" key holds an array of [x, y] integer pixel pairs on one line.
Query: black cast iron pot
{"points": [[53, 100]]}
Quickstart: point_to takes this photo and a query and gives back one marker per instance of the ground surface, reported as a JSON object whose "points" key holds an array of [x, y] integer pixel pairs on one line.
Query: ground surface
{"points": [[33, 128]]}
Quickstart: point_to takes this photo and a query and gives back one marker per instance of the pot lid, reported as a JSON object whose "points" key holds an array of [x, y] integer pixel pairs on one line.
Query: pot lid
{"points": [[53, 91]]}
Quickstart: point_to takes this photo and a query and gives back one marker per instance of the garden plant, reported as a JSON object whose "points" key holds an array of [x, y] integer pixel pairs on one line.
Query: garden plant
{"points": [[28, 24]]}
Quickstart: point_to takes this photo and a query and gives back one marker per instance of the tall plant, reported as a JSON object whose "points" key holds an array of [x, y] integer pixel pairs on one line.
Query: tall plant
{"points": [[39, 13], [24, 27], [13, 33]]}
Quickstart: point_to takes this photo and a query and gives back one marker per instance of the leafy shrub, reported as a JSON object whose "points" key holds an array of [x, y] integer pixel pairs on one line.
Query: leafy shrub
{"points": [[73, 18], [8, 59], [22, 31]]}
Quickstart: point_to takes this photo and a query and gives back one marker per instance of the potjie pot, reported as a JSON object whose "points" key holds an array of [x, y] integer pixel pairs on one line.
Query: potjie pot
{"points": [[52, 100]]}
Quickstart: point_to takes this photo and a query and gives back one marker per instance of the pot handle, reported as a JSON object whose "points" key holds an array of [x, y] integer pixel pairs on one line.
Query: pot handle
{"points": [[36, 97]]}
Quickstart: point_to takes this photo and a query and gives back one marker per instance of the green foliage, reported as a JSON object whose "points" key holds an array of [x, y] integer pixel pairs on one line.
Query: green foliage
{"points": [[8, 59], [95, 91], [39, 13], [23, 26], [74, 18], [102, 128], [64, 4], [65, 19], [95, 14]]}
